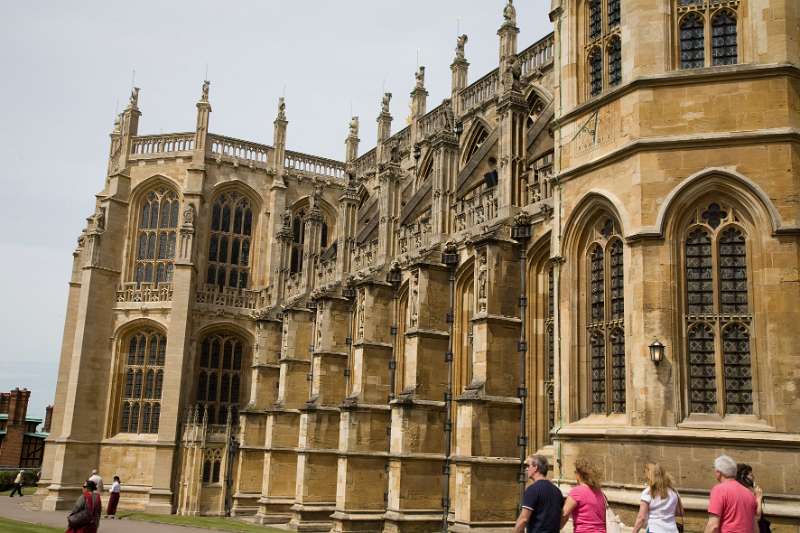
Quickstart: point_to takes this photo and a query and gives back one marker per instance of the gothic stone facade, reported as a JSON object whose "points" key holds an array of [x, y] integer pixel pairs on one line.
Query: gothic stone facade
{"points": [[315, 342]]}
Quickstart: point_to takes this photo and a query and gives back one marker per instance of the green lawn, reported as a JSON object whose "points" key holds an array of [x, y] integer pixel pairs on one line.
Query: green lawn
{"points": [[12, 526], [207, 522]]}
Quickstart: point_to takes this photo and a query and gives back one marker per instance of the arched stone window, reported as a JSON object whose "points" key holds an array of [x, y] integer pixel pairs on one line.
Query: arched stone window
{"points": [[723, 38], [230, 241], [476, 139], [535, 109], [219, 379], [298, 239], [614, 61], [155, 236], [595, 72], [143, 379], [212, 463], [692, 35], [606, 324], [717, 307]]}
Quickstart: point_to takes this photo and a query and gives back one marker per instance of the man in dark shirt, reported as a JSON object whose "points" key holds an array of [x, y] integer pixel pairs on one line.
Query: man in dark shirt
{"points": [[542, 502]]}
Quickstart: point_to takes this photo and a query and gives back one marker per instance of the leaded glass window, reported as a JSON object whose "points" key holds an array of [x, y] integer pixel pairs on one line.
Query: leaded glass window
{"points": [[143, 379], [595, 19], [615, 62], [219, 378], [549, 350], [723, 38], [692, 37], [613, 13], [605, 331], [155, 237], [298, 238], [595, 72], [717, 307], [230, 241]]}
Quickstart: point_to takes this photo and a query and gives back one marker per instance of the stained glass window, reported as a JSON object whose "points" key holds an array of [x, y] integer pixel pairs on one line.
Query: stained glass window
{"points": [[613, 13], [598, 359], [618, 371], [219, 377], [230, 240], [692, 41], [615, 62], [595, 19], [549, 350], [717, 304], [617, 280], [595, 72], [597, 284], [155, 237], [723, 38], [143, 383]]}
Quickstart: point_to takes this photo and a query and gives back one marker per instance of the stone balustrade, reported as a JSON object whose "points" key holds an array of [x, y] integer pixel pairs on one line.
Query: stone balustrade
{"points": [[366, 163], [439, 119], [365, 255], [414, 238], [480, 92], [312, 166], [326, 272], [236, 150], [144, 292], [477, 207], [249, 299], [537, 55], [146, 145]]}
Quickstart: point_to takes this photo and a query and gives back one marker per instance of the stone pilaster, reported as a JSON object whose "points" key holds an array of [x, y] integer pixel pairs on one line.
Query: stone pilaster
{"points": [[365, 418], [418, 414], [487, 425], [387, 210], [283, 418], [384, 129], [279, 221]]}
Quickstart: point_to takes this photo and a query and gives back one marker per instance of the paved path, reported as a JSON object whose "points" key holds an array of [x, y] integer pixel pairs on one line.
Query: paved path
{"points": [[16, 509]]}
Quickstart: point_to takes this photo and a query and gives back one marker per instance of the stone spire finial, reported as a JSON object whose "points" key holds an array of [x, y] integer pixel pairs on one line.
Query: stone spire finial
{"points": [[387, 98], [354, 127], [510, 14], [460, 43], [134, 100], [204, 94], [281, 108]]}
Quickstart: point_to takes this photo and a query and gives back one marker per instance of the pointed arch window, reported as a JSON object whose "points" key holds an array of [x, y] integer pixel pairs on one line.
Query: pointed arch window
{"points": [[595, 72], [143, 379], [155, 237], [614, 61], [230, 241], [717, 307], [606, 324], [724, 49], [219, 377], [473, 145], [692, 36]]}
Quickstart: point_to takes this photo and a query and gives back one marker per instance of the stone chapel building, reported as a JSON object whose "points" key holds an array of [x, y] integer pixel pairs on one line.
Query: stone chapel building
{"points": [[591, 250]]}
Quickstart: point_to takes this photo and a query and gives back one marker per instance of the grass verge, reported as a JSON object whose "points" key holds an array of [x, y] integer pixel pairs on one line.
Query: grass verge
{"points": [[12, 526], [205, 522]]}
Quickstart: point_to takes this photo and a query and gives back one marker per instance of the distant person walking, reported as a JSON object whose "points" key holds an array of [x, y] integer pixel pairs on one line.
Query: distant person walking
{"points": [[18, 481], [113, 498], [542, 501], [731, 507], [659, 504], [586, 503], [85, 514], [98, 481]]}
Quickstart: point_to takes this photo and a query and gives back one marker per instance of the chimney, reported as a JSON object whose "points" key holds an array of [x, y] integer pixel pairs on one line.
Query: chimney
{"points": [[18, 406], [48, 418]]}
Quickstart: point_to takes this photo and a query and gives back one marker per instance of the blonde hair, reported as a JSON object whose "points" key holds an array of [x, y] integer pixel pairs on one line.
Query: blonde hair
{"points": [[587, 472], [658, 481]]}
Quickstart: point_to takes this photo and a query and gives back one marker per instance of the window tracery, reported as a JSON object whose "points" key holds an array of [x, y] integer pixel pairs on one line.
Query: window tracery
{"points": [[143, 376], [723, 38], [692, 38], [717, 307], [606, 324], [219, 380], [230, 241], [155, 237], [707, 33], [212, 463], [603, 18]]}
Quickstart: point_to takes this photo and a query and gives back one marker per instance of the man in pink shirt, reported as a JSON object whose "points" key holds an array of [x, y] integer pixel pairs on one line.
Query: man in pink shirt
{"points": [[731, 507]]}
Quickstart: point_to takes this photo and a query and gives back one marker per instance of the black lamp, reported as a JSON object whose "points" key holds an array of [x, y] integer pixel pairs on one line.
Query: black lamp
{"points": [[657, 351]]}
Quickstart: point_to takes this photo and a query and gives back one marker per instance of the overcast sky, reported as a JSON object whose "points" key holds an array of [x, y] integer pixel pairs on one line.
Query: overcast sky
{"points": [[67, 67]]}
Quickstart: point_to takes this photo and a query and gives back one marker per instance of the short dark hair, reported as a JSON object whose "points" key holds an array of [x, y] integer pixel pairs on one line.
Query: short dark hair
{"points": [[116, 478], [91, 485], [743, 472], [540, 461]]}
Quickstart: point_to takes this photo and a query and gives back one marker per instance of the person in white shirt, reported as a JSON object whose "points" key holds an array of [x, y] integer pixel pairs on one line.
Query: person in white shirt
{"points": [[18, 484], [113, 499], [660, 503], [97, 480]]}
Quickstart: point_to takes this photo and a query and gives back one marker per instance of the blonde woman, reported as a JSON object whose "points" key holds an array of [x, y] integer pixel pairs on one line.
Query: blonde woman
{"points": [[586, 503], [659, 504]]}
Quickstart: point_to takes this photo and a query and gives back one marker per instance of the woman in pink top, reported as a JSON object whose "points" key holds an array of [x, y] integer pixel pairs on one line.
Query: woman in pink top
{"points": [[586, 503]]}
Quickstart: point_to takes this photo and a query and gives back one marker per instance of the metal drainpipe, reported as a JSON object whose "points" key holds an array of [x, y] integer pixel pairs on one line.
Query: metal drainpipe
{"points": [[450, 259], [521, 232]]}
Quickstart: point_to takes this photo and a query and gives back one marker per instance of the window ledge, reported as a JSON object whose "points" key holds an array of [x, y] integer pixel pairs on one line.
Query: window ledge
{"points": [[615, 419], [729, 422]]}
